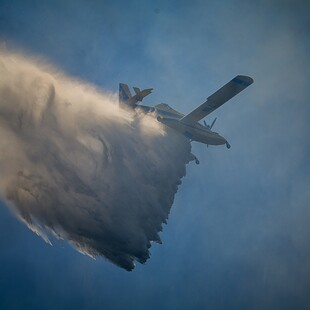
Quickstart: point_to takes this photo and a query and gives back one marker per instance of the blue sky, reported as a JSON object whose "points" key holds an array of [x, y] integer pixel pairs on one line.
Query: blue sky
{"points": [[238, 233]]}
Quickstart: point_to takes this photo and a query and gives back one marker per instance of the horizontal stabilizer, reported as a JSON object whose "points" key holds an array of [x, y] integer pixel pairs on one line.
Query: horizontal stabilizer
{"points": [[231, 89], [140, 94], [137, 90], [127, 99]]}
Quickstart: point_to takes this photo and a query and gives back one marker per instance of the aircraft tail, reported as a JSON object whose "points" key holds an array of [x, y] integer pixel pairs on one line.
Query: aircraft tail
{"points": [[126, 98]]}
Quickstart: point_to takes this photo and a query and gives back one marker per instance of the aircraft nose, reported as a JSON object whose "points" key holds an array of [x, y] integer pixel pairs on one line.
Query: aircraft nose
{"points": [[221, 139]]}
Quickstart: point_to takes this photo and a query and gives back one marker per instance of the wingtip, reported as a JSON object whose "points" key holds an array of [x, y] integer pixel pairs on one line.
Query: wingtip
{"points": [[246, 78], [243, 80]]}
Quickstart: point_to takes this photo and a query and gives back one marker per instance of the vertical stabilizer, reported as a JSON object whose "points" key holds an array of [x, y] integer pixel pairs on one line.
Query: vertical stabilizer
{"points": [[124, 93]]}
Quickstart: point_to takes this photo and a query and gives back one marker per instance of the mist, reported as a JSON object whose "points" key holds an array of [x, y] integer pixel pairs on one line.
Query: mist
{"points": [[75, 166]]}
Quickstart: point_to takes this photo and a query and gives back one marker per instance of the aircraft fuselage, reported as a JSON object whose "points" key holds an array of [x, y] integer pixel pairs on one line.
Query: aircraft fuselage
{"points": [[194, 132]]}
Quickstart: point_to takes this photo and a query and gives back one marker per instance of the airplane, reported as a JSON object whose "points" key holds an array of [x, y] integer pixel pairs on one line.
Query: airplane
{"points": [[188, 124]]}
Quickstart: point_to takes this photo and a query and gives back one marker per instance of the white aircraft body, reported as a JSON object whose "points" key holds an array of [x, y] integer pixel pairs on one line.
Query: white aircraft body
{"points": [[188, 125]]}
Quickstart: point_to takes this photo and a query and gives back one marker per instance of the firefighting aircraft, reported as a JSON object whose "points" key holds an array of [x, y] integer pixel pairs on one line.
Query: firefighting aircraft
{"points": [[188, 124]]}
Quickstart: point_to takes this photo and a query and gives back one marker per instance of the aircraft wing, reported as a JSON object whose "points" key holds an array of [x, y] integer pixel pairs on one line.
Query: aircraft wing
{"points": [[231, 89]]}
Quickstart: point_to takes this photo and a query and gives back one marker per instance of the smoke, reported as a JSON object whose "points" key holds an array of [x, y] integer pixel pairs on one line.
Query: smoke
{"points": [[75, 166]]}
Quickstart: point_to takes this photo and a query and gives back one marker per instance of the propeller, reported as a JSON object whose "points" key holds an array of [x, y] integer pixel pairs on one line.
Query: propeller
{"points": [[210, 126]]}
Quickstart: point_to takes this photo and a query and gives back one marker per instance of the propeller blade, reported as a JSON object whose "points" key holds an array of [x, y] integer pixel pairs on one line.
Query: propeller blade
{"points": [[213, 123]]}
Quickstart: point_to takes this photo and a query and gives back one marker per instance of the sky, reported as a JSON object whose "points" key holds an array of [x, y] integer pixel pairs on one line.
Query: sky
{"points": [[237, 235]]}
